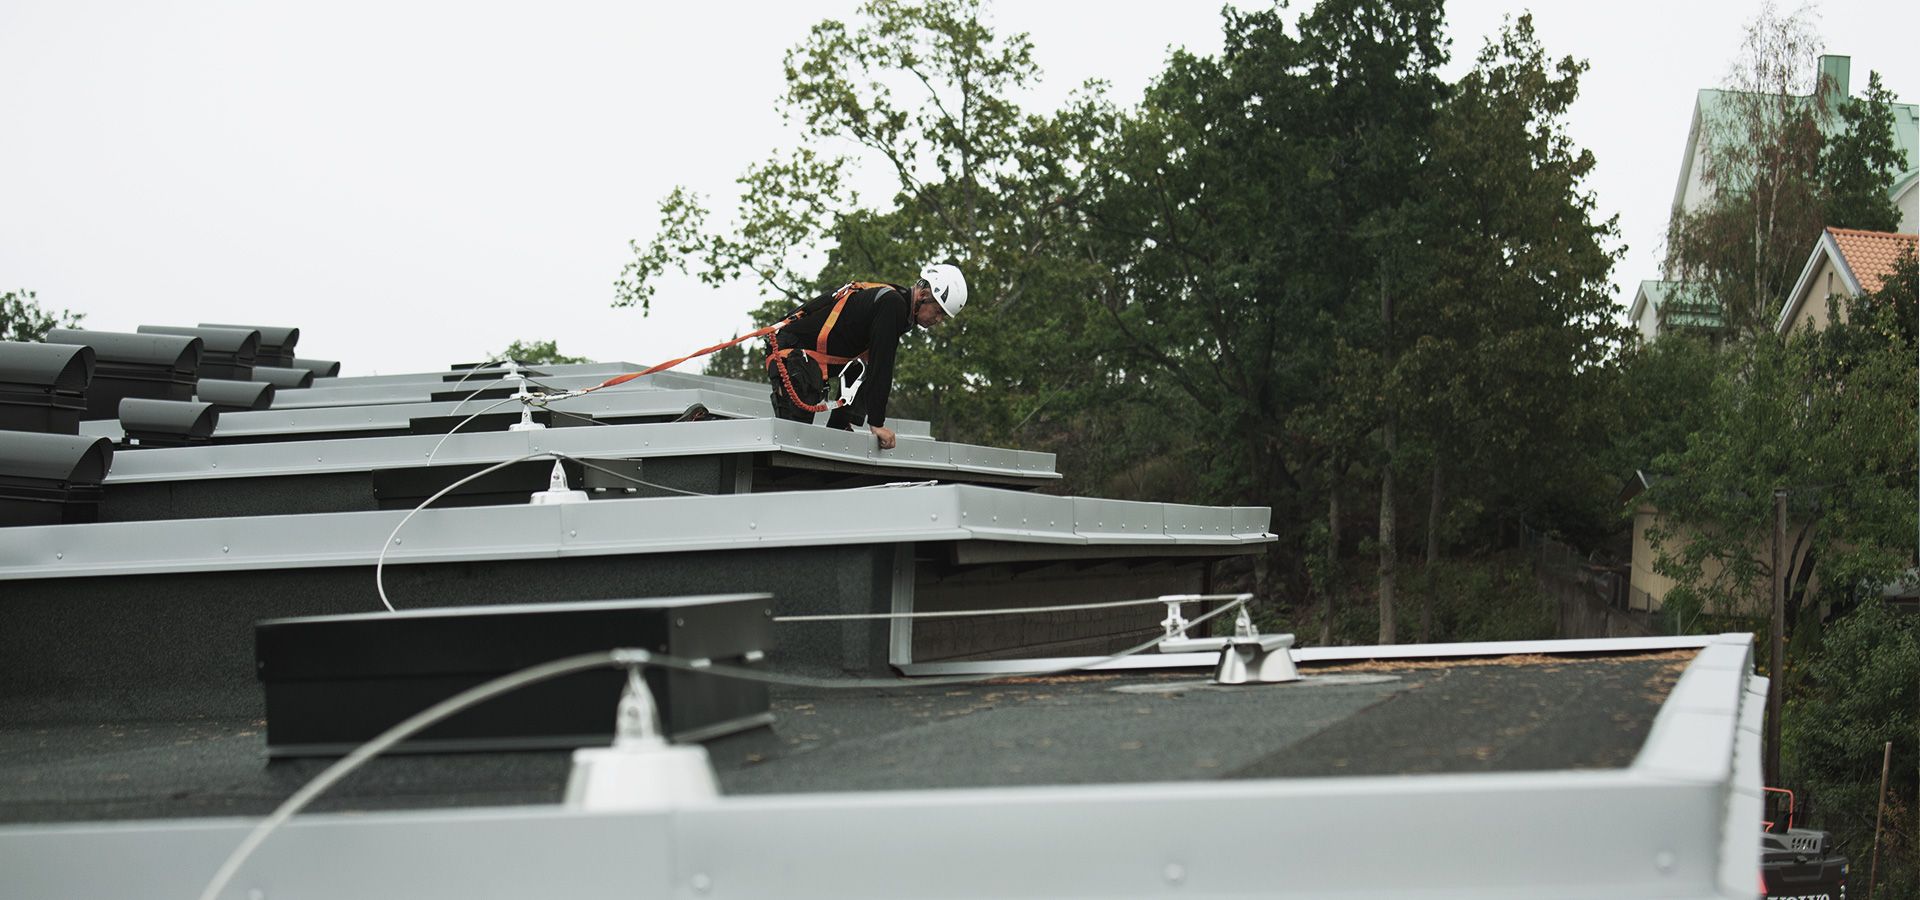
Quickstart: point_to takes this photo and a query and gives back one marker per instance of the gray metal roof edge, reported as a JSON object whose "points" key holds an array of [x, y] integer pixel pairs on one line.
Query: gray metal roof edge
{"points": [[597, 528], [605, 369], [347, 419], [222, 461], [1362, 653], [422, 391], [430, 383], [516, 609], [1511, 834], [1338, 654]]}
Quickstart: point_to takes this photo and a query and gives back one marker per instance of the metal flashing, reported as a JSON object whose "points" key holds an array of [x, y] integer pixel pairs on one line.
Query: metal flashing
{"points": [[1349, 654], [605, 406], [602, 528], [647, 440]]}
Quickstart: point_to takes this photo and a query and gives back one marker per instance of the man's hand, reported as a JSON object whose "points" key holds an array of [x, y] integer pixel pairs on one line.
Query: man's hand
{"points": [[885, 435]]}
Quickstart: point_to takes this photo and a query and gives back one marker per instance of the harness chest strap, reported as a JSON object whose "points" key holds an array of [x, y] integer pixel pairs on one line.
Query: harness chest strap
{"points": [[826, 328]]}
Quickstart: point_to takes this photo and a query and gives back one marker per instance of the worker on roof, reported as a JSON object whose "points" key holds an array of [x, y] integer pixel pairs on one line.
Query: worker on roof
{"points": [[857, 326]]}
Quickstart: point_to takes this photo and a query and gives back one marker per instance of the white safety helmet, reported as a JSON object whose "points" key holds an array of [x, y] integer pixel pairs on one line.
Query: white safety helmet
{"points": [[948, 285]]}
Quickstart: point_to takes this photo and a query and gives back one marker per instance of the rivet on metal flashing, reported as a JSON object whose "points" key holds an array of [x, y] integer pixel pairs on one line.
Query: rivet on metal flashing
{"points": [[933, 517], [701, 882], [679, 623], [1175, 873], [216, 465], [753, 525], [1663, 861], [59, 556], [572, 533], [223, 548]]}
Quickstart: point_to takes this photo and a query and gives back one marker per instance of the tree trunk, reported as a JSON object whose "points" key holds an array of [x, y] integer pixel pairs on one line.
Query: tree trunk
{"points": [[1386, 482], [1433, 556], [1332, 586]]}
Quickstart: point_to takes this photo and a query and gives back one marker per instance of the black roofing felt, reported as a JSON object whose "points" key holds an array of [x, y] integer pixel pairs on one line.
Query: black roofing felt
{"points": [[1516, 714]]}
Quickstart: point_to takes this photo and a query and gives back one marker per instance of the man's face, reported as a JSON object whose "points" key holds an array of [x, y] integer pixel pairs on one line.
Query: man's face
{"points": [[926, 311]]}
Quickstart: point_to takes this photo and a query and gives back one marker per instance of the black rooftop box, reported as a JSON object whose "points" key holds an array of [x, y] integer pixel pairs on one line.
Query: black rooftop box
{"points": [[231, 353], [276, 342], [43, 387], [51, 479], [149, 366], [284, 377], [335, 682], [167, 423], [234, 396], [321, 368]]}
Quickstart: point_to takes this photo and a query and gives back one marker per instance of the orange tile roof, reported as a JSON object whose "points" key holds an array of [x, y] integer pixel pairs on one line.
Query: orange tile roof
{"points": [[1871, 254]]}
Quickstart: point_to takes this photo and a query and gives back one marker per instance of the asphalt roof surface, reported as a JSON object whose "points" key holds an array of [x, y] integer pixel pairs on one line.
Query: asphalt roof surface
{"points": [[1477, 715]]}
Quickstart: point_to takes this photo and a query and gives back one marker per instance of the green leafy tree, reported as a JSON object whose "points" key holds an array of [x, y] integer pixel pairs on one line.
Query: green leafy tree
{"points": [[22, 318], [924, 91], [537, 353], [1827, 416], [1860, 692], [1860, 162], [1662, 396], [1512, 313], [1250, 220]]}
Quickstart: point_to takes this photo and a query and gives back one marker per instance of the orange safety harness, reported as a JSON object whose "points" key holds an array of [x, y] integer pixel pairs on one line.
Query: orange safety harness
{"points": [[819, 354], [777, 356]]}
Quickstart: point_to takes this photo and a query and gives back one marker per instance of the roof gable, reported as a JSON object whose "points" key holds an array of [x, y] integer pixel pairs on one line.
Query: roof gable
{"points": [[1864, 260]]}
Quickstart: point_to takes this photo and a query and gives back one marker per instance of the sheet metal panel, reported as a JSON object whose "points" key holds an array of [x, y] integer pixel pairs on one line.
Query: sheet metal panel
{"points": [[616, 441], [1116, 521], [1328, 655], [419, 388], [1560, 834], [603, 527], [604, 370]]}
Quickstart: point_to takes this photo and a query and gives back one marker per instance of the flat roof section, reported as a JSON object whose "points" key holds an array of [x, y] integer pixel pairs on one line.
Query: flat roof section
{"points": [[1534, 713]]}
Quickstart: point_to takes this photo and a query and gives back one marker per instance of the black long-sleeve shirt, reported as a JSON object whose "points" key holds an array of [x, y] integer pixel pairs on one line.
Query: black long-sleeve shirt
{"points": [[872, 323]]}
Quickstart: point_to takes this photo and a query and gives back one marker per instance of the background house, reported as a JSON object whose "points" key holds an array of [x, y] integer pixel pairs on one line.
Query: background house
{"points": [[1659, 306], [1845, 262]]}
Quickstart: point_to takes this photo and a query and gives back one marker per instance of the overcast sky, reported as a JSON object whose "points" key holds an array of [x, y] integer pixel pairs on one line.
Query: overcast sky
{"points": [[417, 184]]}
